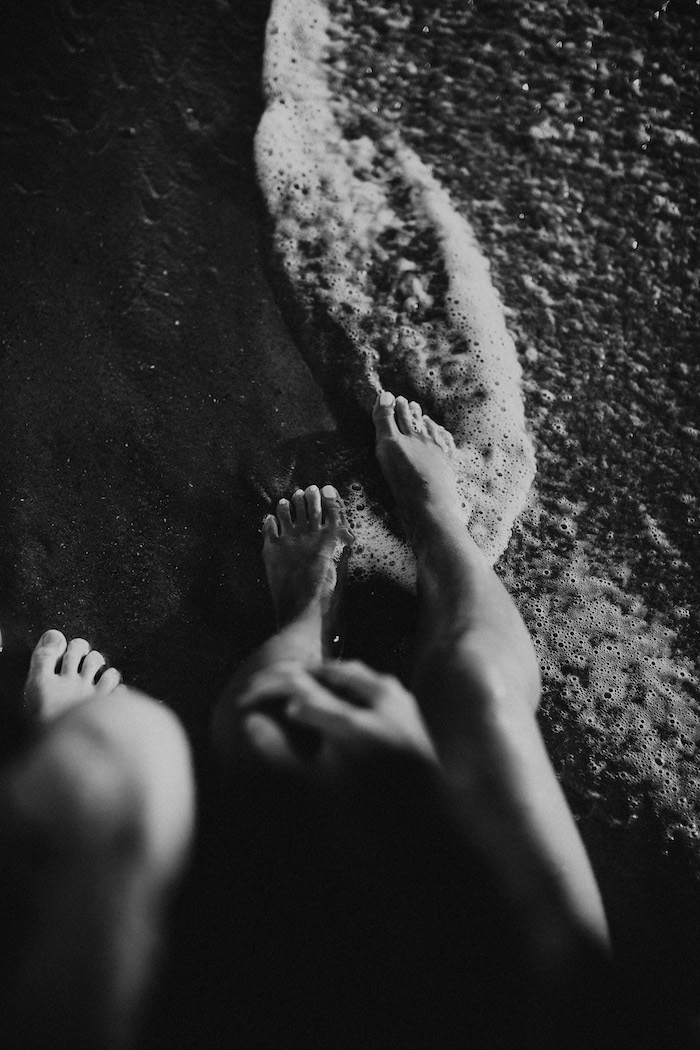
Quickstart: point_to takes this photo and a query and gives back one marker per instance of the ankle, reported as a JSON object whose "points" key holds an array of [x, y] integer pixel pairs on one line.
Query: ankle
{"points": [[296, 611]]}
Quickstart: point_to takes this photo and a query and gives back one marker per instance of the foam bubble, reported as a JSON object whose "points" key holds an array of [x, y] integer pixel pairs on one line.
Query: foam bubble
{"points": [[615, 684], [369, 240]]}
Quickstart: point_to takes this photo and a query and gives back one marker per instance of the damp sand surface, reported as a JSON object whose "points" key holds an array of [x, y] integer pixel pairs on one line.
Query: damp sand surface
{"points": [[161, 383]]}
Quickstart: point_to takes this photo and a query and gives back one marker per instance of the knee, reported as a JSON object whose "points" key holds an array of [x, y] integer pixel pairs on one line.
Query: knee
{"points": [[152, 794], [70, 795], [113, 780]]}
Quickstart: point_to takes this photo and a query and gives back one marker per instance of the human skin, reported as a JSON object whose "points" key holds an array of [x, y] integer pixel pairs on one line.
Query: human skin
{"points": [[97, 813], [476, 680]]}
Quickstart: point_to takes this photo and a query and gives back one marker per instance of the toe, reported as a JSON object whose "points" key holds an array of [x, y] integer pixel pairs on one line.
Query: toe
{"points": [[334, 509], [431, 428], [108, 681], [91, 665], [271, 528], [404, 416], [284, 517], [77, 649], [384, 416], [446, 438], [313, 504], [47, 652], [416, 410], [299, 502]]}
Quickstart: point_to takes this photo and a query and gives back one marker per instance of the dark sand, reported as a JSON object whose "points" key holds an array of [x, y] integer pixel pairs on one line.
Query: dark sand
{"points": [[153, 402]]}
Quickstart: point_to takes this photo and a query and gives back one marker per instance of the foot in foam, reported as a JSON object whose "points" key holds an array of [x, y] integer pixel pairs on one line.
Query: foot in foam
{"points": [[62, 674], [415, 455], [304, 550]]}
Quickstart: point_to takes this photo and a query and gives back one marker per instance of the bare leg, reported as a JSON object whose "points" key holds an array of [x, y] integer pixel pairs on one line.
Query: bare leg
{"points": [[97, 817], [305, 554], [477, 680]]}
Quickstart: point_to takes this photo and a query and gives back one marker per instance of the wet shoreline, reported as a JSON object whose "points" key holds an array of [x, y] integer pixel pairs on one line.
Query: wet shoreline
{"points": [[154, 401]]}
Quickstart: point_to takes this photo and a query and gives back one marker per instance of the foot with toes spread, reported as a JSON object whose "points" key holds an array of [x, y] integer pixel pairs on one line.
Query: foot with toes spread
{"points": [[305, 550]]}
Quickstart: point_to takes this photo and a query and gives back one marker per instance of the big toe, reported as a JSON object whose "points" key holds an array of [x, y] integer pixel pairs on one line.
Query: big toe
{"points": [[383, 415], [47, 653]]}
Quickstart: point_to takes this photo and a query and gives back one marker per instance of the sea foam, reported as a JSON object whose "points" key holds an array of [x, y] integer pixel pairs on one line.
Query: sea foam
{"points": [[373, 246], [619, 707]]}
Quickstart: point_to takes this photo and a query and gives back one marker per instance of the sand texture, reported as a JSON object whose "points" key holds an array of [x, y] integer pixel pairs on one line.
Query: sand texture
{"points": [[172, 361]]}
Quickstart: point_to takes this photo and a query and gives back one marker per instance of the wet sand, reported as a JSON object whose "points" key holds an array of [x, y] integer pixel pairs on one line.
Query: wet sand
{"points": [[154, 402]]}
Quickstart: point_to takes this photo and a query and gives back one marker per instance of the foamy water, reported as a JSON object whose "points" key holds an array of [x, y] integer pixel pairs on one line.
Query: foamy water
{"points": [[352, 214], [371, 241]]}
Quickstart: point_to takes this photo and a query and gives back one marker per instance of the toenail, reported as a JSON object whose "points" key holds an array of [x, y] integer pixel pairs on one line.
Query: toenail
{"points": [[329, 492], [386, 399], [48, 638]]}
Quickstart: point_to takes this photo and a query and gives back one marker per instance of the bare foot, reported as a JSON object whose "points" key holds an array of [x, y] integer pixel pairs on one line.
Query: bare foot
{"points": [[415, 455], [305, 551], [461, 596], [63, 674]]}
